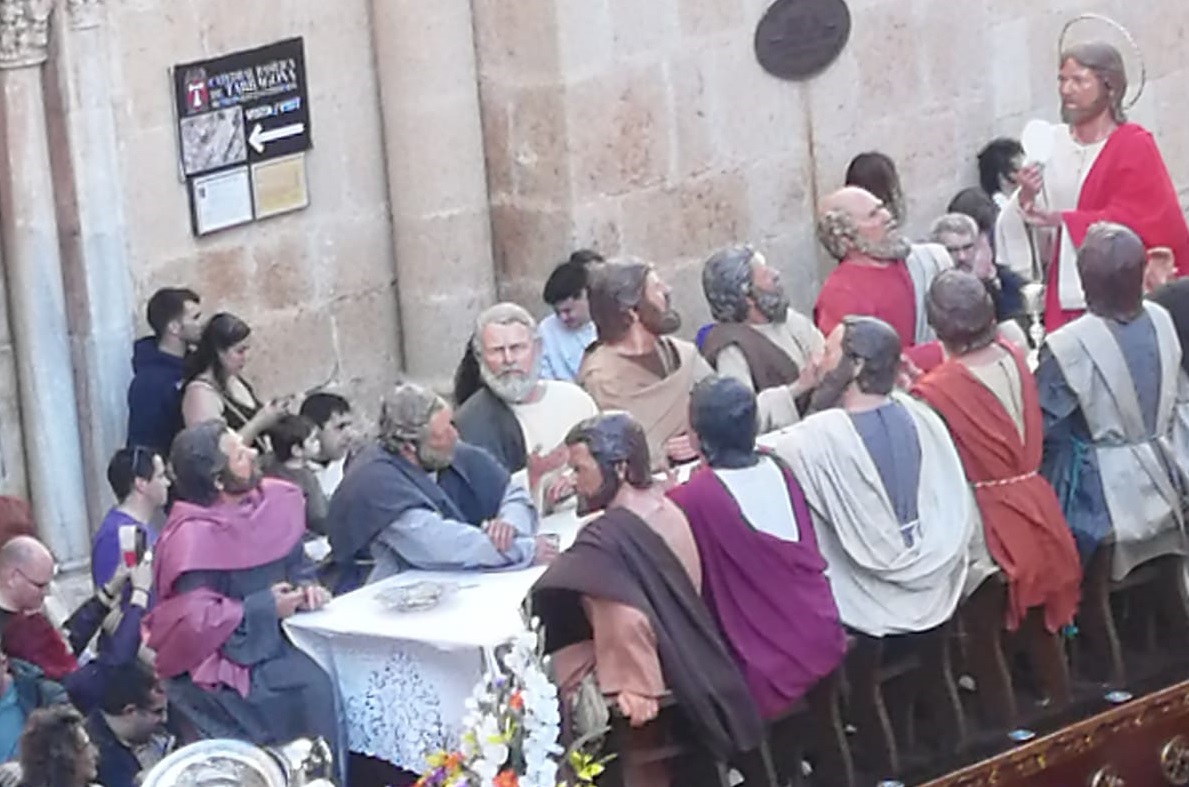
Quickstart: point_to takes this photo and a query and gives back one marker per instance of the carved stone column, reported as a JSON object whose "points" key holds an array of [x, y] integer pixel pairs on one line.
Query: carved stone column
{"points": [[98, 285], [437, 182], [29, 235]]}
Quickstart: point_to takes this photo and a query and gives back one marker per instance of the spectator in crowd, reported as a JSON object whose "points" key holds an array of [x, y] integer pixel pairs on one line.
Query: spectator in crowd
{"points": [[998, 165], [332, 416], [56, 751], [1008, 296], [133, 712], [215, 387], [154, 397], [567, 332], [23, 689], [876, 172], [26, 570], [138, 480], [294, 444]]}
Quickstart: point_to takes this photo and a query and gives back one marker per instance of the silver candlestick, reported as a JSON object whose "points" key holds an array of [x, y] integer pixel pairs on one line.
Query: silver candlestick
{"points": [[1033, 294]]}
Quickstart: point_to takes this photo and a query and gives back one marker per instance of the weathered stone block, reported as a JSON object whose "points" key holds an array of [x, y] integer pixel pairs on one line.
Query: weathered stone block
{"points": [[619, 132]]}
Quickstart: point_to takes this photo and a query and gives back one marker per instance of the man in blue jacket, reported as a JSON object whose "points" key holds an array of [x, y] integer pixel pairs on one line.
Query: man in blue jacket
{"points": [[154, 397]]}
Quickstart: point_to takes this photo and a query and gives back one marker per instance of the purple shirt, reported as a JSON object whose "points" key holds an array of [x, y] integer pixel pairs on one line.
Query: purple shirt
{"points": [[105, 548]]}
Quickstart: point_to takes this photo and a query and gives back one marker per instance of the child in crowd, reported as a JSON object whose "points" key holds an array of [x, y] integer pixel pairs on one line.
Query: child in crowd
{"points": [[295, 445]]}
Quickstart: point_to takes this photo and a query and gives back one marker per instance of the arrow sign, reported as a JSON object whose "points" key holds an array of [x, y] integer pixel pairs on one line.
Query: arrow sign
{"points": [[259, 137]]}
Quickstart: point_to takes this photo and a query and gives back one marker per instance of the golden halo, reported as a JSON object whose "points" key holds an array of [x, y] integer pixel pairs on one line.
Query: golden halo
{"points": [[1062, 45]]}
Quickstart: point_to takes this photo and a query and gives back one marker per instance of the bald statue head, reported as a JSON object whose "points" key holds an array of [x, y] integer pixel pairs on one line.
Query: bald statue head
{"points": [[961, 312], [26, 570], [1111, 263], [854, 222]]}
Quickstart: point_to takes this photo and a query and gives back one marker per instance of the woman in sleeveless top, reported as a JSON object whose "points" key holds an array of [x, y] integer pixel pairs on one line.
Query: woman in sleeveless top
{"points": [[215, 389]]}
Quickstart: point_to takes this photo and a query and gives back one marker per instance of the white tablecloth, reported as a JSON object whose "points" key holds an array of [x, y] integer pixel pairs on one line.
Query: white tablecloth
{"points": [[403, 676]]}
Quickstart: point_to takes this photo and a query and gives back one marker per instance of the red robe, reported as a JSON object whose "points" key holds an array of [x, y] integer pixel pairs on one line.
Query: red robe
{"points": [[1026, 532], [883, 291], [1129, 185]]}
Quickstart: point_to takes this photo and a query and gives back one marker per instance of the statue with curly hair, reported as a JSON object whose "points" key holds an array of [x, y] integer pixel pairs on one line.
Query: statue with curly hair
{"points": [[757, 337], [880, 273]]}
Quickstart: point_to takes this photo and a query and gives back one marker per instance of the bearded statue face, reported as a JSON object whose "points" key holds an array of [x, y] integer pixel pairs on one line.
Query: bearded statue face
{"points": [[511, 362], [655, 311], [767, 291], [875, 231], [594, 487], [1084, 96]]}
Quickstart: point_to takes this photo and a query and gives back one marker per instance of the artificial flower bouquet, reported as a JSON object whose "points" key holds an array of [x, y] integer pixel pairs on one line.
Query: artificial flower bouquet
{"points": [[511, 729]]}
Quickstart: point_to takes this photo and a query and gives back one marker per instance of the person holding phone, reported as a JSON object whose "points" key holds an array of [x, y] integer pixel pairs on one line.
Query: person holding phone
{"points": [[214, 387], [121, 571]]}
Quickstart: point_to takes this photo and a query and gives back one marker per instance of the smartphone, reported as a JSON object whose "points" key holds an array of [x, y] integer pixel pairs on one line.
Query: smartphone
{"points": [[132, 544]]}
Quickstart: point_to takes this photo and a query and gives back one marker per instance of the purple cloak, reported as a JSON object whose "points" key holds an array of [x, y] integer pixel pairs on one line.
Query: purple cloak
{"points": [[770, 597]]}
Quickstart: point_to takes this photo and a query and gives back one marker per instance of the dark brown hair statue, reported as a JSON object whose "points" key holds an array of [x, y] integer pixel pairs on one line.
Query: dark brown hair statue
{"points": [[1111, 263], [615, 440], [1107, 64], [614, 290], [961, 311]]}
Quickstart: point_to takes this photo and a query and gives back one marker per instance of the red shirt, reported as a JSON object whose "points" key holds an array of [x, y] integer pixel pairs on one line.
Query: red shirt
{"points": [[883, 291]]}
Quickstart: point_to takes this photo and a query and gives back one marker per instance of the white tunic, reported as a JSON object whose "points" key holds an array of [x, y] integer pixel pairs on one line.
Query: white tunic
{"points": [[882, 585]]}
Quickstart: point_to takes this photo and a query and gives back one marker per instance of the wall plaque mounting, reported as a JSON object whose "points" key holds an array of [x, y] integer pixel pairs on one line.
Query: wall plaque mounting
{"points": [[798, 39]]}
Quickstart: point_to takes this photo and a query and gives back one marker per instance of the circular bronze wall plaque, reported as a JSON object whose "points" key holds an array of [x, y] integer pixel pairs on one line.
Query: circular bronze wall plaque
{"points": [[797, 39]]}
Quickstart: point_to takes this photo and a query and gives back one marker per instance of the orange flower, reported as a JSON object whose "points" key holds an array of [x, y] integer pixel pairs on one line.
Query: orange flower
{"points": [[506, 778], [516, 702], [453, 762]]}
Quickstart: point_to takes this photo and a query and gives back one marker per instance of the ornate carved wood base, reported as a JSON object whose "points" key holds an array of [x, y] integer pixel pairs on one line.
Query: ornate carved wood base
{"points": [[1144, 743]]}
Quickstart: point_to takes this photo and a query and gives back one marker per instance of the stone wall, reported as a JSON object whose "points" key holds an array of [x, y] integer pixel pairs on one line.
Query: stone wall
{"points": [[649, 128], [317, 286]]}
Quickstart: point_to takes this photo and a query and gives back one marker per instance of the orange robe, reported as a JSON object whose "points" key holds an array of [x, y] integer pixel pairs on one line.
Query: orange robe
{"points": [[1026, 532]]}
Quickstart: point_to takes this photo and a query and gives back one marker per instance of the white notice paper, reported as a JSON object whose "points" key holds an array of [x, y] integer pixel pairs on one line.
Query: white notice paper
{"points": [[221, 200]]}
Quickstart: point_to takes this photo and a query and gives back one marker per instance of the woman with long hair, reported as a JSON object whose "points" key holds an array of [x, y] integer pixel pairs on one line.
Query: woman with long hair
{"points": [[55, 750], [214, 387], [876, 172]]}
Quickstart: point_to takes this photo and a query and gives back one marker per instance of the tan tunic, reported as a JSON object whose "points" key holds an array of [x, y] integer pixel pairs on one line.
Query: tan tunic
{"points": [[660, 404]]}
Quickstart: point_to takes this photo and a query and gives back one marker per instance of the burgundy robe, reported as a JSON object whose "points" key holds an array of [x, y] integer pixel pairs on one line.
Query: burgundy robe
{"points": [[1129, 185], [770, 597]]}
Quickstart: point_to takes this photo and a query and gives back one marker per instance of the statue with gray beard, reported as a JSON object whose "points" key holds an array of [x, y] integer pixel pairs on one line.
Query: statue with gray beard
{"points": [[893, 514], [521, 419], [880, 273], [419, 497], [1113, 396], [757, 338]]}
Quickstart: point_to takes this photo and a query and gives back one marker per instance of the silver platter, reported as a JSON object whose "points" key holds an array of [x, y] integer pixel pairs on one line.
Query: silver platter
{"points": [[217, 763]]}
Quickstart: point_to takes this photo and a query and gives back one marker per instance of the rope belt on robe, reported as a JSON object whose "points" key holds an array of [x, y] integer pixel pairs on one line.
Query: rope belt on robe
{"points": [[1004, 481]]}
